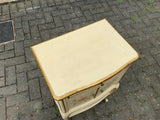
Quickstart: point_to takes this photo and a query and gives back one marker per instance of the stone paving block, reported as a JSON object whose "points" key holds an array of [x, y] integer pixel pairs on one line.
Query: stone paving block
{"points": [[17, 99], [17, 22], [47, 98], [58, 21], [31, 42], [79, 117], [45, 35], [4, 18], [25, 117], [1, 48], [153, 69], [7, 54], [9, 46], [10, 75], [34, 74], [100, 109], [130, 87], [122, 115], [145, 94], [89, 115], [157, 114], [19, 35], [3, 109], [25, 26], [8, 90], [156, 103], [20, 6], [120, 100], [22, 84], [45, 114], [29, 54], [26, 66], [30, 107], [12, 113], [2, 81], [157, 57], [48, 17], [140, 108], [13, 8], [19, 50], [2, 68], [36, 4], [34, 32], [14, 61], [5, 9], [34, 89], [42, 82], [155, 84]]}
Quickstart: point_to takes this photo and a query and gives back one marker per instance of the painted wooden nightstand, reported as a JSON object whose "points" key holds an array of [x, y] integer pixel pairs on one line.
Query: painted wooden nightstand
{"points": [[84, 66]]}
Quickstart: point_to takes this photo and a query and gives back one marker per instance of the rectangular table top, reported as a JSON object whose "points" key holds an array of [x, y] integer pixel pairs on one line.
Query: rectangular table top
{"points": [[83, 58]]}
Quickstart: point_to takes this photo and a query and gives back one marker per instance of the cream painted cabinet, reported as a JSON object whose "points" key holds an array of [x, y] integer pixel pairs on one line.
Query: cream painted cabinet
{"points": [[83, 67]]}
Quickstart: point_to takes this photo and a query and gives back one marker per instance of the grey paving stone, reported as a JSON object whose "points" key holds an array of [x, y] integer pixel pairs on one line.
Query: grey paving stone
{"points": [[45, 35], [145, 94], [25, 117], [2, 68], [123, 115], [79, 117], [30, 107], [19, 35], [42, 82], [2, 81], [34, 74], [17, 99], [3, 109], [34, 89], [25, 26], [8, 90], [10, 75], [121, 103], [47, 98], [13, 8], [45, 114], [20, 6], [89, 115], [1, 48], [7, 54], [14, 61], [34, 32], [156, 103], [29, 55], [48, 17], [19, 50], [9, 46], [140, 108], [12, 113], [26, 66], [22, 84]]}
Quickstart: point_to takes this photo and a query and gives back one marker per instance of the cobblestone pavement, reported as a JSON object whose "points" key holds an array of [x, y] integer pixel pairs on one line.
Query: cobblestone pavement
{"points": [[24, 94]]}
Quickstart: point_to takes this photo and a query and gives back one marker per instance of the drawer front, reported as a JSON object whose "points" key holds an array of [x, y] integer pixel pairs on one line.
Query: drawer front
{"points": [[82, 97], [114, 80]]}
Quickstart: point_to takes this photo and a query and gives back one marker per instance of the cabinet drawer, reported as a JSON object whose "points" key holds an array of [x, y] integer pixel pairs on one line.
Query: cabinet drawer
{"points": [[82, 96], [114, 80]]}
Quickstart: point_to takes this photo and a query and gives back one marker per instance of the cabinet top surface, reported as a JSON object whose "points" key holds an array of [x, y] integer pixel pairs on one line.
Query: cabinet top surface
{"points": [[83, 58]]}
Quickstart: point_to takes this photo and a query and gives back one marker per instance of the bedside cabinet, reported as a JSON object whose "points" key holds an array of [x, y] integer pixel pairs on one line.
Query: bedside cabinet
{"points": [[83, 67]]}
